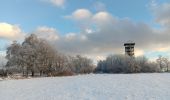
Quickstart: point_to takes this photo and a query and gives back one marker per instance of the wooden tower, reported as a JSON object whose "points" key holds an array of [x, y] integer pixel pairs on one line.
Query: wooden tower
{"points": [[129, 49]]}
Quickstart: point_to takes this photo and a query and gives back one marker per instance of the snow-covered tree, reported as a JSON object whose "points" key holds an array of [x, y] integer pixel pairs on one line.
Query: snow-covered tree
{"points": [[45, 56], [29, 51], [13, 55], [163, 63], [37, 55], [166, 62], [126, 64], [81, 64], [33, 55]]}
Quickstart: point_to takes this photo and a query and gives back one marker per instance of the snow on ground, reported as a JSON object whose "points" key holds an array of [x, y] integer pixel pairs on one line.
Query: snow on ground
{"points": [[89, 87], [1, 79]]}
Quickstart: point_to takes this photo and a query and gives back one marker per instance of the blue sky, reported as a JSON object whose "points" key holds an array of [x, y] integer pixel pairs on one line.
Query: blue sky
{"points": [[79, 23], [30, 14]]}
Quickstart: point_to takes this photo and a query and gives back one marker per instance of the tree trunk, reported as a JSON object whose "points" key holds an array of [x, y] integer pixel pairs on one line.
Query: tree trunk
{"points": [[167, 68], [27, 73], [23, 73], [32, 73], [41, 72]]}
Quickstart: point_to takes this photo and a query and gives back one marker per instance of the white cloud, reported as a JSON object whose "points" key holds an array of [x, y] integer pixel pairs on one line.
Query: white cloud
{"points": [[83, 18], [58, 3], [102, 19], [103, 16], [80, 14], [70, 36], [83, 37], [10, 32], [48, 33], [104, 33], [161, 13], [75, 36], [89, 31]]}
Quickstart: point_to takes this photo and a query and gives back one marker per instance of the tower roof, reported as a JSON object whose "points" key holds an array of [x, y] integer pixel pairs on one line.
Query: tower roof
{"points": [[125, 44], [129, 43]]}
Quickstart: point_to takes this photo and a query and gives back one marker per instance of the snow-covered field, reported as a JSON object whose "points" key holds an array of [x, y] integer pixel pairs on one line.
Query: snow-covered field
{"points": [[89, 87]]}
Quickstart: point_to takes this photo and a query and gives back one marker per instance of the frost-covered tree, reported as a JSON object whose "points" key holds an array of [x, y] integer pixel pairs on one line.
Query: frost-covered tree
{"points": [[45, 56], [119, 64], [166, 61], [160, 62], [33, 55], [146, 65], [81, 64], [60, 62], [39, 55], [30, 46], [36, 55], [126, 64], [2, 65], [13, 55], [101, 67], [163, 63]]}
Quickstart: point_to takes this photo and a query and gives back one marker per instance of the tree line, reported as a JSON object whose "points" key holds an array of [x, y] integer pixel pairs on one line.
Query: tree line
{"points": [[126, 64], [36, 57]]}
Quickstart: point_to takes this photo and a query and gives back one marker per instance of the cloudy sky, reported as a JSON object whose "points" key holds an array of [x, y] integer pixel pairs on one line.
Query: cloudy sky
{"points": [[95, 28]]}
